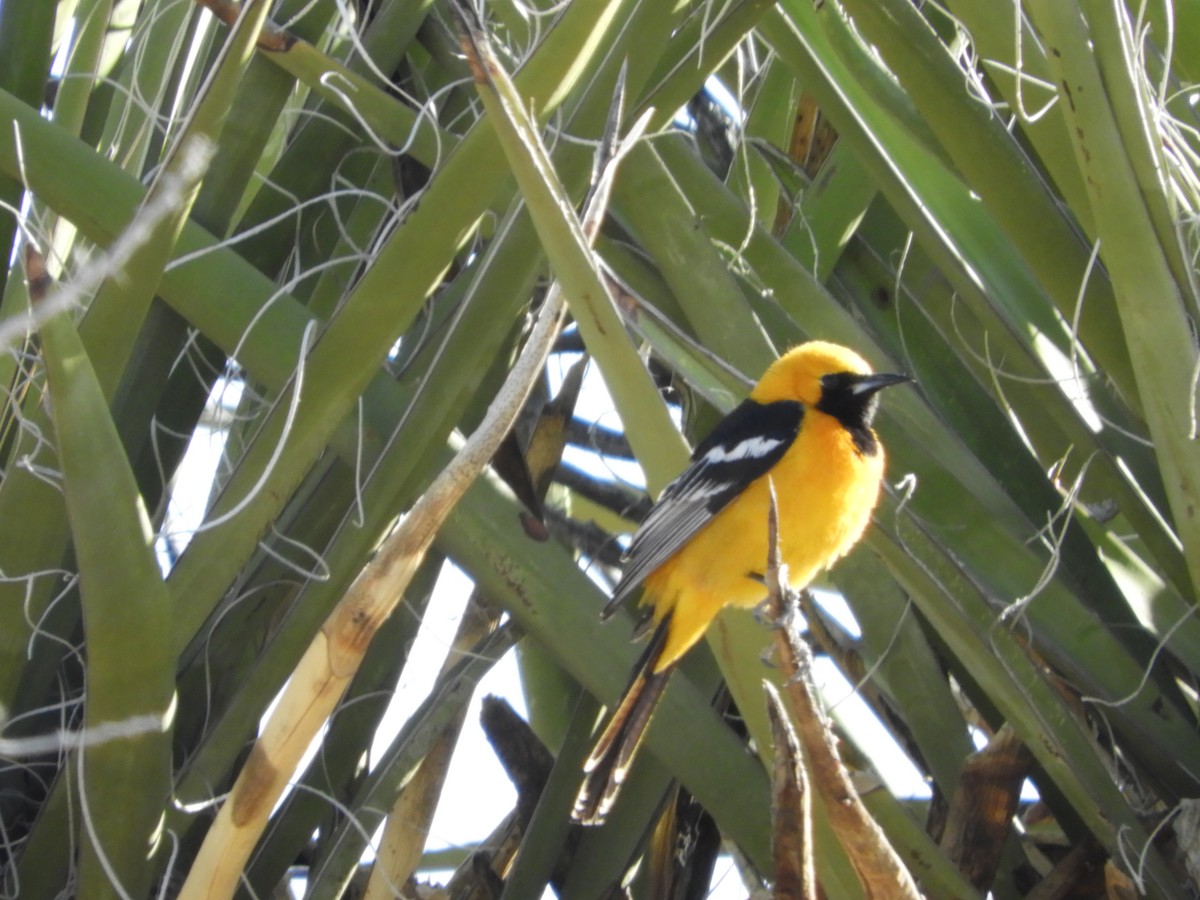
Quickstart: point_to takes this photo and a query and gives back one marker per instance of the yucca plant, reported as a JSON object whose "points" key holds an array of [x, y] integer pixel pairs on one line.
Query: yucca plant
{"points": [[327, 235]]}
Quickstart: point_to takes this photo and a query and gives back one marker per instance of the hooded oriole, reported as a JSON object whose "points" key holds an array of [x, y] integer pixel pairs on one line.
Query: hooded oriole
{"points": [[807, 427]]}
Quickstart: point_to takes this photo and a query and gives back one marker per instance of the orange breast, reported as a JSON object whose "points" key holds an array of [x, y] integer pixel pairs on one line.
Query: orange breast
{"points": [[826, 490]]}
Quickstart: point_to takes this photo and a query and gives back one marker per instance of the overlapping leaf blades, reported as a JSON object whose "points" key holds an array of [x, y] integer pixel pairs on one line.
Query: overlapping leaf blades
{"points": [[952, 232]]}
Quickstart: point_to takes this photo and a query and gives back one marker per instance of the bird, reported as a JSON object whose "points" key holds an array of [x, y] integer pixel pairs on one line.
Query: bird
{"points": [[806, 429]]}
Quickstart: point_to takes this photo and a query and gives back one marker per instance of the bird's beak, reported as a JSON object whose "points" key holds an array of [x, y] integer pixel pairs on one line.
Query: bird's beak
{"points": [[866, 385]]}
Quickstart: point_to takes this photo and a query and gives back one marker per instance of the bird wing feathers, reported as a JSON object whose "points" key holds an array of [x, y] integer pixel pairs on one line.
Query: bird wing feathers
{"points": [[743, 447]]}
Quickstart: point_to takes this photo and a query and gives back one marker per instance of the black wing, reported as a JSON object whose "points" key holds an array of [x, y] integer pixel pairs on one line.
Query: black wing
{"points": [[743, 446]]}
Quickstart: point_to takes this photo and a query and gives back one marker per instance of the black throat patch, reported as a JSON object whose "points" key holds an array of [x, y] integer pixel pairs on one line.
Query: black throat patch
{"points": [[852, 407]]}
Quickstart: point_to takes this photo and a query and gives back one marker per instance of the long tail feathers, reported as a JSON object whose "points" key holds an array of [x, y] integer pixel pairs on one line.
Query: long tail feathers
{"points": [[609, 762]]}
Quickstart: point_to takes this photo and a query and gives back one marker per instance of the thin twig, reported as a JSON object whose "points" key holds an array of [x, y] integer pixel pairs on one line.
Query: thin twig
{"points": [[791, 808], [881, 871]]}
